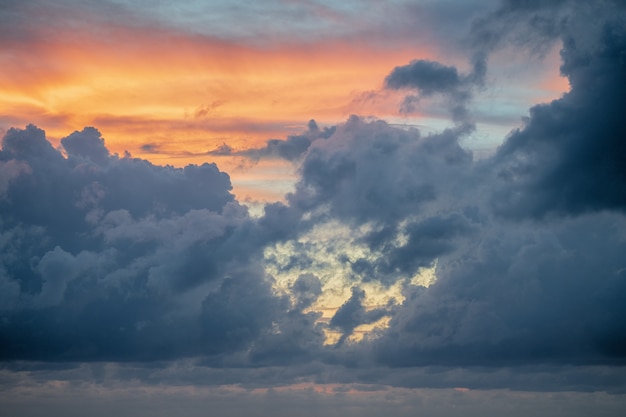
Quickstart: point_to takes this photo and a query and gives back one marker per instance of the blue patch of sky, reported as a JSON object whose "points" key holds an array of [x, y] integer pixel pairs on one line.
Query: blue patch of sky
{"points": [[239, 19]]}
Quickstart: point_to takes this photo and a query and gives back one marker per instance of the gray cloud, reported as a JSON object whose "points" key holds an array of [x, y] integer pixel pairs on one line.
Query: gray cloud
{"points": [[569, 155], [522, 292], [364, 165], [307, 288], [428, 77], [109, 258], [103, 255], [431, 78], [290, 149], [542, 294], [352, 313]]}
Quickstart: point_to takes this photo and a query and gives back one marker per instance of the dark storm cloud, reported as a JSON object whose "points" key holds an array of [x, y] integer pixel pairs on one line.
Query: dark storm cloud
{"points": [[548, 291], [528, 24], [545, 294], [9, 171], [427, 240], [87, 144], [102, 256], [112, 258], [508, 291], [90, 183], [569, 155]]}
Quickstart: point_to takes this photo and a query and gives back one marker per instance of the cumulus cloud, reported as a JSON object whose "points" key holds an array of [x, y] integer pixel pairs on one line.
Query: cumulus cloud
{"points": [[366, 165], [519, 280], [538, 291], [108, 257], [113, 258], [428, 77]]}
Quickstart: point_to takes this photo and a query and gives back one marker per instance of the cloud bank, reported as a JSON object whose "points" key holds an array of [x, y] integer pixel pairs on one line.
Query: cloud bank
{"points": [[108, 258]]}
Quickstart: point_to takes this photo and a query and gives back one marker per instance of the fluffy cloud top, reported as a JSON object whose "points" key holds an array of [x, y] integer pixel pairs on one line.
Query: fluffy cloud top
{"points": [[107, 257]]}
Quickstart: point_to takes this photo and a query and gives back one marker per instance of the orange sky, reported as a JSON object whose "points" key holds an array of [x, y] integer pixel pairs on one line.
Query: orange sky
{"points": [[179, 95], [188, 93], [185, 95]]}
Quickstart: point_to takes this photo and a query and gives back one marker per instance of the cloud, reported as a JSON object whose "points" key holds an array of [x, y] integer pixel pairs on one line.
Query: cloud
{"points": [[431, 78], [307, 400], [364, 165], [568, 157], [103, 255], [353, 314], [527, 243], [86, 144], [109, 258], [9, 171], [521, 295], [307, 288], [515, 293], [526, 24], [428, 77], [290, 149], [534, 291]]}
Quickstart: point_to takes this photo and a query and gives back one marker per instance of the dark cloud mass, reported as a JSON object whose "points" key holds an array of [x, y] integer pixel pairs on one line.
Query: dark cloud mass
{"points": [[569, 157], [548, 294], [102, 256], [109, 258], [538, 291]]}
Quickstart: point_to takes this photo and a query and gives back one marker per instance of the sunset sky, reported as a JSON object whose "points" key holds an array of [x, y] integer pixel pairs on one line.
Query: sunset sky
{"points": [[170, 83], [311, 207]]}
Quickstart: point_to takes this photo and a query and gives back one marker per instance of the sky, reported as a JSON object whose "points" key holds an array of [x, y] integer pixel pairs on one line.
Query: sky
{"points": [[304, 207]]}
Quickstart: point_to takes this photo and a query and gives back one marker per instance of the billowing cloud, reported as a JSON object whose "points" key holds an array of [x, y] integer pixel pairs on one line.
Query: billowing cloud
{"points": [[397, 259], [520, 295], [427, 76], [104, 255], [523, 292], [569, 155]]}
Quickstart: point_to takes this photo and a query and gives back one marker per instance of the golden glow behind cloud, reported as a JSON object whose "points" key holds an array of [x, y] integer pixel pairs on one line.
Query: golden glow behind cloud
{"points": [[171, 96], [192, 91]]}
